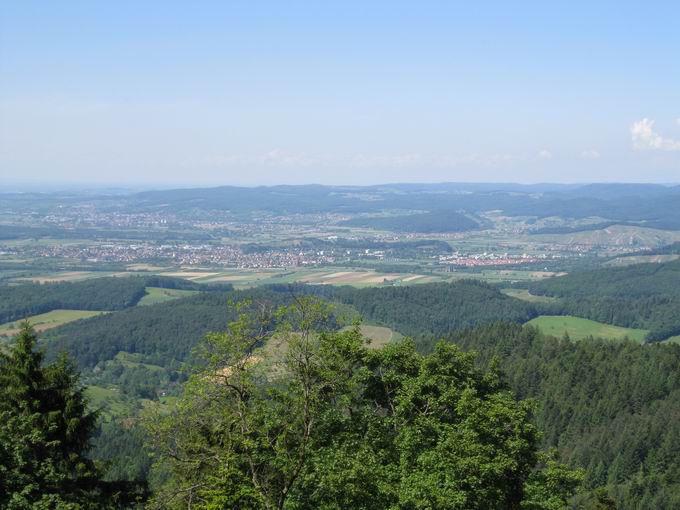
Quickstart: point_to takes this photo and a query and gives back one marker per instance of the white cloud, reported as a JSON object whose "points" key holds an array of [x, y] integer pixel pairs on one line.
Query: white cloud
{"points": [[644, 137], [590, 154], [545, 154]]}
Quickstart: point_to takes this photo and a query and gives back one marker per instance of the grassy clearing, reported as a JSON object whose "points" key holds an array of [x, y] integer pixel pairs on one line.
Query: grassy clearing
{"points": [[131, 360], [525, 295], [673, 340], [579, 329], [108, 400], [378, 335], [158, 295], [48, 320]]}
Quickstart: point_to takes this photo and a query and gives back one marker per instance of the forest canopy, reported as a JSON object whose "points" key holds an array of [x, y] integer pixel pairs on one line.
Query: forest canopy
{"points": [[333, 424]]}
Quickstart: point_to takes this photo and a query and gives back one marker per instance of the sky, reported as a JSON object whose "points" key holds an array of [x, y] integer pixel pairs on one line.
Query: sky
{"points": [[251, 93]]}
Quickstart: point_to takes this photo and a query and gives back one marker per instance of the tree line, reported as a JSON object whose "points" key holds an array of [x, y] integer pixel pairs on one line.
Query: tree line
{"points": [[611, 408], [645, 296], [20, 301]]}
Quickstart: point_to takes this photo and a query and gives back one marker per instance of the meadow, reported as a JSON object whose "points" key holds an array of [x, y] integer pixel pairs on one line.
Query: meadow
{"points": [[49, 320], [580, 329], [156, 295]]}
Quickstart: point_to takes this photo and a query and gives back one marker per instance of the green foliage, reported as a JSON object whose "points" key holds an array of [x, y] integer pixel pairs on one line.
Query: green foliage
{"points": [[643, 296], [432, 309], [165, 334], [612, 409], [335, 425], [20, 301], [581, 329], [639, 280], [162, 334], [44, 433], [547, 486], [119, 446], [432, 222]]}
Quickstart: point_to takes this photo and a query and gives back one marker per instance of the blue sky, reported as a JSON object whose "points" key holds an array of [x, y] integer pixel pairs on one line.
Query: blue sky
{"points": [[198, 93]]}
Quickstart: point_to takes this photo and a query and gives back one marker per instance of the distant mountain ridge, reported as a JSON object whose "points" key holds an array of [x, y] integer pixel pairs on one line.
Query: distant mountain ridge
{"points": [[652, 205]]}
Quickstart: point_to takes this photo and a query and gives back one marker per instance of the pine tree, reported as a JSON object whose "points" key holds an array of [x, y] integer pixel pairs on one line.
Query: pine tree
{"points": [[45, 429]]}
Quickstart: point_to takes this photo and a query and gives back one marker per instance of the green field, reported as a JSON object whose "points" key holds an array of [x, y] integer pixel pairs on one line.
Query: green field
{"points": [[579, 329], [48, 320], [131, 360], [158, 295], [108, 401], [525, 295]]}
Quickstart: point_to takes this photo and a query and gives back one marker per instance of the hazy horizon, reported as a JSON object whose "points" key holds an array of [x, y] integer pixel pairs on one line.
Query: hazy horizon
{"points": [[128, 187], [241, 94]]}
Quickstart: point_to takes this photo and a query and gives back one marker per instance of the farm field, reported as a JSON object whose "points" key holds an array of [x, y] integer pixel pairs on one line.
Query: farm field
{"points": [[346, 276], [69, 276], [579, 329], [145, 267], [322, 275], [319, 276], [158, 295], [502, 275], [49, 320], [525, 295]]}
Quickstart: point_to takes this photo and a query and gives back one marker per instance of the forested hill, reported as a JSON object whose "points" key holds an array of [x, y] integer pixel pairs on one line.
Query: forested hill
{"points": [[165, 333], [645, 296], [584, 390], [432, 222], [647, 205], [433, 309], [611, 408], [106, 294], [638, 280]]}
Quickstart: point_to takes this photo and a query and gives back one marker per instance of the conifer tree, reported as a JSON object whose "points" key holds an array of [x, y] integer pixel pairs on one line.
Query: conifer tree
{"points": [[45, 428]]}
